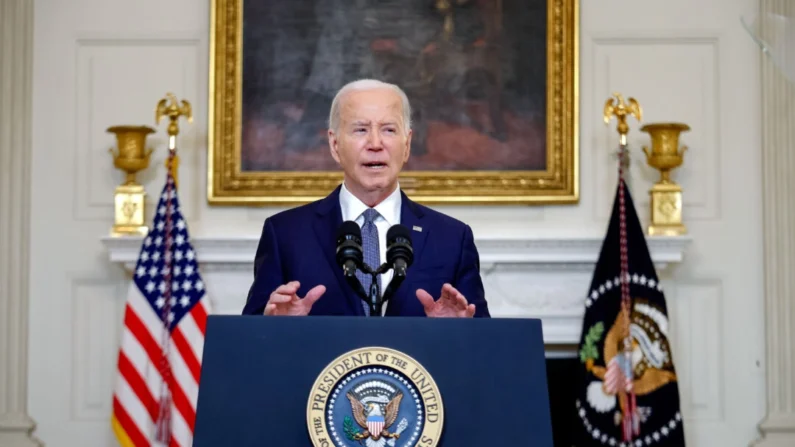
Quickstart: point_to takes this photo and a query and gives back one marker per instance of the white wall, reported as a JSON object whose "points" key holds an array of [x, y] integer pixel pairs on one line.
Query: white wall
{"points": [[101, 63]]}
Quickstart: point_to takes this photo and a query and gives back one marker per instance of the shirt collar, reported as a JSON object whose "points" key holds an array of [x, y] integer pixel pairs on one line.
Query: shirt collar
{"points": [[352, 208]]}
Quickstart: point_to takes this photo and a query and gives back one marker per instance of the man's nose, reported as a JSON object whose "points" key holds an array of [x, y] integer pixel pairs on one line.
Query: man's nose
{"points": [[375, 141]]}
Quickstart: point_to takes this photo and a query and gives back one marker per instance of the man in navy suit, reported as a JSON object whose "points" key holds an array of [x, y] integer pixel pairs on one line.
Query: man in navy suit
{"points": [[295, 270]]}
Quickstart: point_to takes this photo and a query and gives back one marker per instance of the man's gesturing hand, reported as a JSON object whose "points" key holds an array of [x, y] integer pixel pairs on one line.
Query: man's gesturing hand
{"points": [[451, 303], [285, 300]]}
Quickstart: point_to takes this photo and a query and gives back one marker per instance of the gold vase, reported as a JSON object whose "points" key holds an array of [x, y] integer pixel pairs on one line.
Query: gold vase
{"points": [[131, 156], [666, 195]]}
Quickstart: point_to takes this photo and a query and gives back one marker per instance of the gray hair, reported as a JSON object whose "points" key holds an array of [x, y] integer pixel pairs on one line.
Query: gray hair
{"points": [[367, 84]]}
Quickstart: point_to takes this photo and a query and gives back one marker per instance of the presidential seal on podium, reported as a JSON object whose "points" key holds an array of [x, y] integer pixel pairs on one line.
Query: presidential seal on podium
{"points": [[374, 397]]}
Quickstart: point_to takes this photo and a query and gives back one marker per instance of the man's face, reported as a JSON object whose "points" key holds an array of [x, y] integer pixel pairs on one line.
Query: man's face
{"points": [[371, 144]]}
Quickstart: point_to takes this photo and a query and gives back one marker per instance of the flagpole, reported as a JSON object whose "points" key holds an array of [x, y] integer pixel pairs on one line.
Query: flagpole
{"points": [[620, 109], [173, 111]]}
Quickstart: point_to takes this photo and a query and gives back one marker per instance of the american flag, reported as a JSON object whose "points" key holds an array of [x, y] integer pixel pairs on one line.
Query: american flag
{"points": [[160, 354]]}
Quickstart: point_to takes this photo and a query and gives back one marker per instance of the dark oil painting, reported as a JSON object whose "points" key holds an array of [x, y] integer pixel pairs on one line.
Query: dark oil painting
{"points": [[475, 72]]}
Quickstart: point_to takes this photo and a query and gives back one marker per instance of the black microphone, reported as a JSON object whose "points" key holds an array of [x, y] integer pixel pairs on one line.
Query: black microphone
{"points": [[349, 248], [399, 255], [399, 251], [350, 257]]}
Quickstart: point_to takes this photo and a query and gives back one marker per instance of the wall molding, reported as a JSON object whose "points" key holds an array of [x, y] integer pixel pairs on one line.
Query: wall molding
{"points": [[93, 57], [702, 199]]}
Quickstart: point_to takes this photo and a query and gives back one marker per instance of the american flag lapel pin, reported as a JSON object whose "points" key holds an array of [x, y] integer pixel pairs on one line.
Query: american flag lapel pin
{"points": [[416, 228]]}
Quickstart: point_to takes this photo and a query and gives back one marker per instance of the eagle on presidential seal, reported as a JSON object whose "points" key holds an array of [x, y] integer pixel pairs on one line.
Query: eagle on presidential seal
{"points": [[375, 418], [650, 364]]}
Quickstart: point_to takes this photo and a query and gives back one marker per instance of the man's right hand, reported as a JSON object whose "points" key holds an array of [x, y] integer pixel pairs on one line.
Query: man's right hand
{"points": [[285, 300]]}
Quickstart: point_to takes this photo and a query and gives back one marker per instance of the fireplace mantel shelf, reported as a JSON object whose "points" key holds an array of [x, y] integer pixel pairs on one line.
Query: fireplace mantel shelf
{"points": [[555, 252]]}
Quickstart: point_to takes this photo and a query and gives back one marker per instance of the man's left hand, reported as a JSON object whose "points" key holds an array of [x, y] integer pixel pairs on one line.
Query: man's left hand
{"points": [[450, 305]]}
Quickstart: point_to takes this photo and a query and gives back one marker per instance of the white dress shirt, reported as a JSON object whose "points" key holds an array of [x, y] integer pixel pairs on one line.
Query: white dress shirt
{"points": [[388, 215]]}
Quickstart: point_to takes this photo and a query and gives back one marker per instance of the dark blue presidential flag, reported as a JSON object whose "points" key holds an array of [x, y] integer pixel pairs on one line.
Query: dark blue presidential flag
{"points": [[628, 393]]}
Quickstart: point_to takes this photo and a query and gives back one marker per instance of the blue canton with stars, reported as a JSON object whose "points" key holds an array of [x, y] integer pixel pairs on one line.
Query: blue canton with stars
{"points": [[187, 287]]}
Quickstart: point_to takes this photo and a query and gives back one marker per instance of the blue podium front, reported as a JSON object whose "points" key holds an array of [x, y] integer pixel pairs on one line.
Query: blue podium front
{"points": [[374, 382]]}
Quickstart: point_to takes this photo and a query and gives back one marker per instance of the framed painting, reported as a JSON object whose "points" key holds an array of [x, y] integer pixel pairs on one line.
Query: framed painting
{"points": [[492, 85]]}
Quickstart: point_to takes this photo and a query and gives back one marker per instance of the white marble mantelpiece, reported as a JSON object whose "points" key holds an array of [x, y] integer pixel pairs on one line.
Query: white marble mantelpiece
{"points": [[546, 277], [565, 253]]}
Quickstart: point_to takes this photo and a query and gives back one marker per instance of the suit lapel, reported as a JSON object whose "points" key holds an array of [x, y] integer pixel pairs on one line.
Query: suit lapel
{"points": [[410, 217], [329, 219]]}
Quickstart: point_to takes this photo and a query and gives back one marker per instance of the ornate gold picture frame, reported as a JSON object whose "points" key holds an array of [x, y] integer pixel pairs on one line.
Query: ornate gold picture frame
{"points": [[474, 147]]}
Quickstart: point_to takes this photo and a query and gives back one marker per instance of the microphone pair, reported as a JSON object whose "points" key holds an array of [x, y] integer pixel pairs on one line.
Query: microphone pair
{"points": [[350, 256]]}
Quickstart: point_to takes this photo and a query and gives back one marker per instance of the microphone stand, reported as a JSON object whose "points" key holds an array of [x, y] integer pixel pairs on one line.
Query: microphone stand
{"points": [[375, 302], [373, 298], [399, 274]]}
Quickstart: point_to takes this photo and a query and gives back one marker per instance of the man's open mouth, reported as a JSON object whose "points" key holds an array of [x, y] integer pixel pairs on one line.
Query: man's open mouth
{"points": [[375, 165]]}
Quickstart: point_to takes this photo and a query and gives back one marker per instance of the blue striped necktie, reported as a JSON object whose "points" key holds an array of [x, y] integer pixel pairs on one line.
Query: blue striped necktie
{"points": [[372, 253]]}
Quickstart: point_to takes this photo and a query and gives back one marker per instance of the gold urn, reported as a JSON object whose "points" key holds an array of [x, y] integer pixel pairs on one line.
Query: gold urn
{"points": [[666, 195], [131, 156]]}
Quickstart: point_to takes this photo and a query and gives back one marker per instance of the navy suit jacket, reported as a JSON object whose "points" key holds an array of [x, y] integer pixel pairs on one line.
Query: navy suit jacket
{"points": [[299, 244]]}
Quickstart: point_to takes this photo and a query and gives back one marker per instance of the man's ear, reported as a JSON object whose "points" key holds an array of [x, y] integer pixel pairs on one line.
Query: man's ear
{"points": [[333, 145], [407, 151]]}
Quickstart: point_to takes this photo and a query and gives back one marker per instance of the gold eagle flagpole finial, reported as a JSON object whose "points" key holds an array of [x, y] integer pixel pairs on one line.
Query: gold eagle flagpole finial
{"points": [[173, 110], [620, 109]]}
